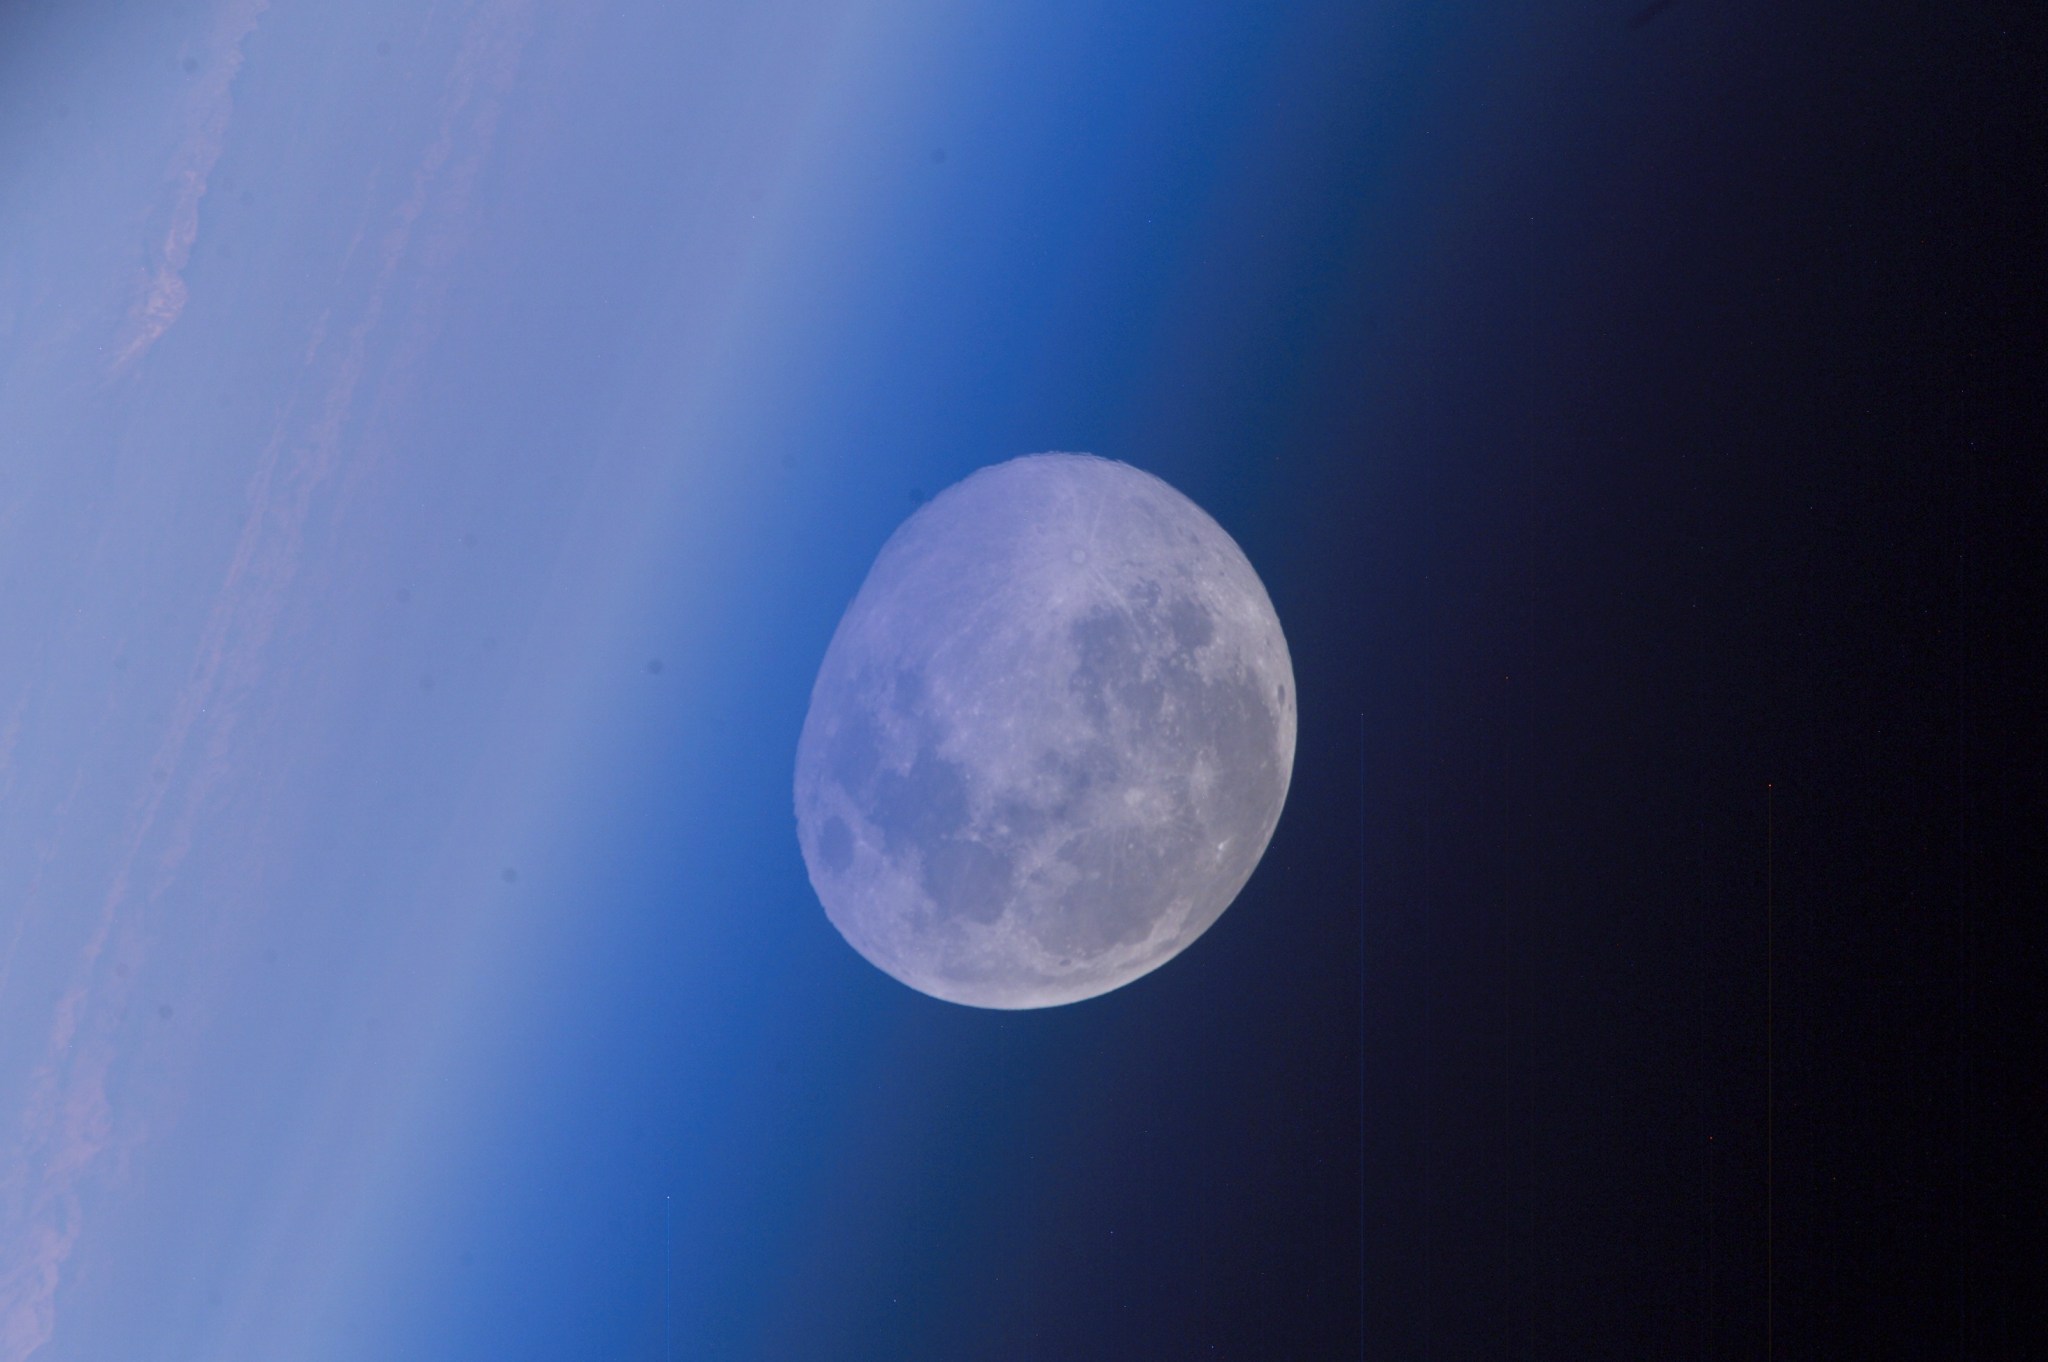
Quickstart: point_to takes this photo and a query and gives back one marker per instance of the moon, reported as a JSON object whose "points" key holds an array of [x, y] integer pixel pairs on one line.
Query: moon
{"points": [[1049, 740]]}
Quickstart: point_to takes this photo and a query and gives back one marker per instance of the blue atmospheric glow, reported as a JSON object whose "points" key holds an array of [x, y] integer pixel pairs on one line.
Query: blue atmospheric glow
{"points": [[435, 445]]}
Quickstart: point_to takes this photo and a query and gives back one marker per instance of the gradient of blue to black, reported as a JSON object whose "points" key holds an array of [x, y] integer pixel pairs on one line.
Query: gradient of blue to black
{"points": [[1633, 412]]}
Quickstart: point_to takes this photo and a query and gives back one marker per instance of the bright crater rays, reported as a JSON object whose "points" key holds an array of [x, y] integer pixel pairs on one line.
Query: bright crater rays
{"points": [[1050, 739]]}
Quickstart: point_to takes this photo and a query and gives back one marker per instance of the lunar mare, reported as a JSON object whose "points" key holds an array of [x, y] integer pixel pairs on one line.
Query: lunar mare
{"points": [[1050, 739]]}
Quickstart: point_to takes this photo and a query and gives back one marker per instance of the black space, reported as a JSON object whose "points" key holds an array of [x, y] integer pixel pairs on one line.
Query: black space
{"points": [[1701, 948]]}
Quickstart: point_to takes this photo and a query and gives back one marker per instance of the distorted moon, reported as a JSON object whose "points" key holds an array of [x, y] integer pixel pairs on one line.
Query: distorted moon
{"points": [[1050, 738]]}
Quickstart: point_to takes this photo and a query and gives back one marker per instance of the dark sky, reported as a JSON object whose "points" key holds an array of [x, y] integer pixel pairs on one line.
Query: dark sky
{"points": [[1696, 825]]}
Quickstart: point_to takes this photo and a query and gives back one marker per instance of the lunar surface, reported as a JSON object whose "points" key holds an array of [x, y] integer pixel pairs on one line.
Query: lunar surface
{"points": [[1050, 739]]}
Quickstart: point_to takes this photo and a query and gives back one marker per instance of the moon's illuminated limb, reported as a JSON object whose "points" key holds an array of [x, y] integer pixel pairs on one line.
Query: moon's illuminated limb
{"points": [[1050, 739]]}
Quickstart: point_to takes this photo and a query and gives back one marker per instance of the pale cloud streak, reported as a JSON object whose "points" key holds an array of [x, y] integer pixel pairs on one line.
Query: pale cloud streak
{"points": [[71, 1138], [162, 298]]}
